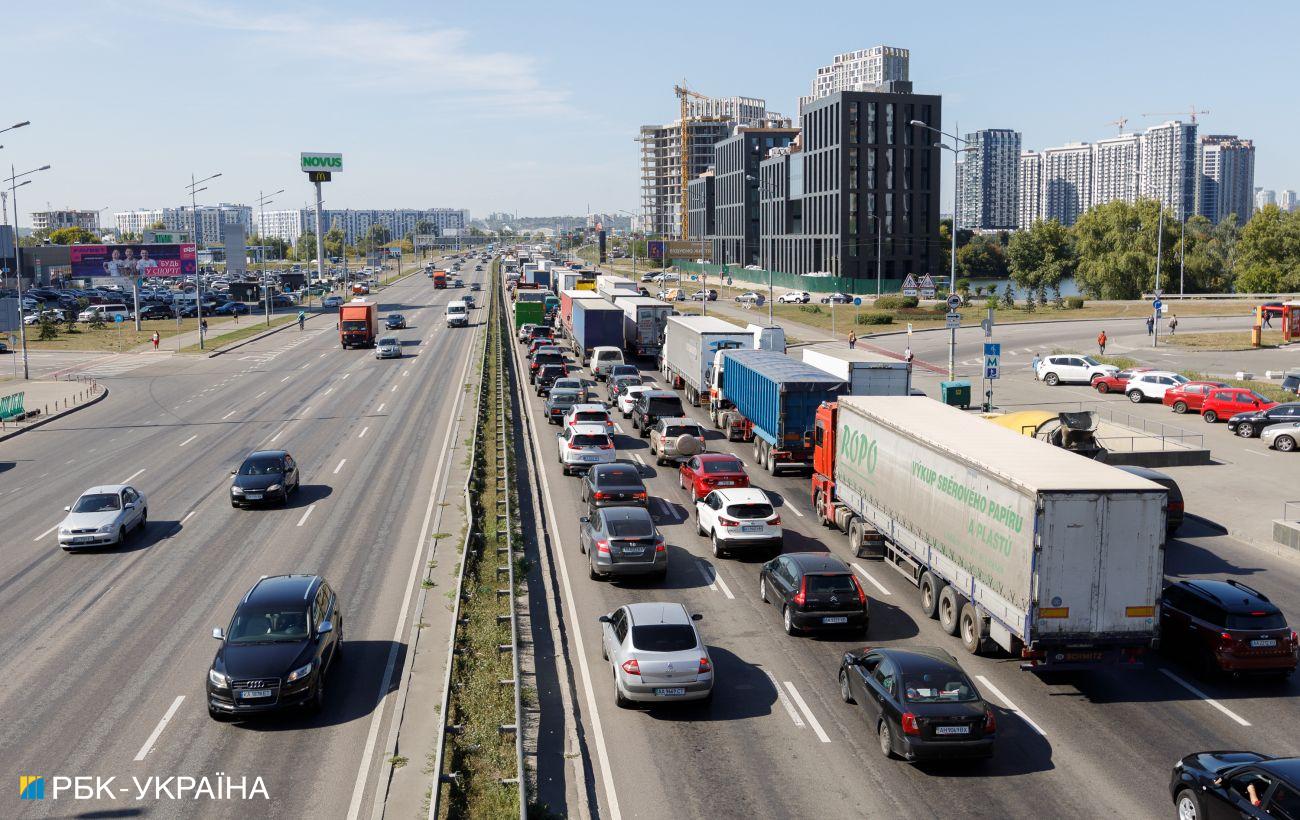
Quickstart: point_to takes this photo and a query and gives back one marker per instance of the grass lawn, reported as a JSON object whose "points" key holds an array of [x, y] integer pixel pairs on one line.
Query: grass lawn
{"points": [[106, 339], [1224, 340], [216, 340]]}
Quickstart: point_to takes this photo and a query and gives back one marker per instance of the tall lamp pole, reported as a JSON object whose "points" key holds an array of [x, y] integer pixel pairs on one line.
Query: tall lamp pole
{"points": [[13, 194], [262, 201], [198, 276]]}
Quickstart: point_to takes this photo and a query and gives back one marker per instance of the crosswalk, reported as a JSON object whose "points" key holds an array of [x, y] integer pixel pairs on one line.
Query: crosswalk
{"points": [[1006, 351], [60, 364], [295, 339]]}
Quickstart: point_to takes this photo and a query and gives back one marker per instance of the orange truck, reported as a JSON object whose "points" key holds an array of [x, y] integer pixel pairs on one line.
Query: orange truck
{"points": [[439, 279], [358, 324]]}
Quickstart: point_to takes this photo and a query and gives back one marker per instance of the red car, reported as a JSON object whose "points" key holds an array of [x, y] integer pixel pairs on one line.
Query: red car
{"points": [[702, 474], [1226, 402], [1117, 383], [1190, 396]]}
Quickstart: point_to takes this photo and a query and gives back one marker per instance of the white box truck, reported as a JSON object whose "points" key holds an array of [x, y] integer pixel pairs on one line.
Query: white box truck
{"points": [[608, 285], [644, 321], [867, 372], [1011, 542], [690, 344]]}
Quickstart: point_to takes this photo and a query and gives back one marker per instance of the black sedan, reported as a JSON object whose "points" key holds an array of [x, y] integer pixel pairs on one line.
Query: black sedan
{"points": [[156, 312], [613, 485], [813, 590], [395, 321], [837, 299], [232, 309], [265, 475], [1251, 423], [1235, 784], [919, 703]]}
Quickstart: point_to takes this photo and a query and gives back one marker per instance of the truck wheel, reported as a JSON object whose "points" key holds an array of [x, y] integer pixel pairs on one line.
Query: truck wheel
{"points": [[950, 604], [819, 509], [855, 537], [771, 464], [930, 589], [972, 629]]}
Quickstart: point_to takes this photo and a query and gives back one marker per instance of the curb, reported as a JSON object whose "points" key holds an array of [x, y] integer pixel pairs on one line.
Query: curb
{"points": [[103, 395]]}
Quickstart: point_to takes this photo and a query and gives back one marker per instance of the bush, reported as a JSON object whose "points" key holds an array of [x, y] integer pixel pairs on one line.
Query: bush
{"points": [[896, 302], [811, 308], [874, 319], [1073, 302]]}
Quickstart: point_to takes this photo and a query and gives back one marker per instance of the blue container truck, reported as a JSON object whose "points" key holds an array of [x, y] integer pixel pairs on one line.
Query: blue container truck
{"points": [[595, 324], [541, 278], [776, 398]]}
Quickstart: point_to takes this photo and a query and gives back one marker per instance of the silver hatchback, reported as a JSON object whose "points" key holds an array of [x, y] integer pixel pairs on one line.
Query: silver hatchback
{"points": [[388, 348], [656, 654]]}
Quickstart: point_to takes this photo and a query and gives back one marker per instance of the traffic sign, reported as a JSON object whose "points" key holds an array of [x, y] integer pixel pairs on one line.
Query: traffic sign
{"points": [[1156, 305], [990, 373], [992, 348], [926, 286], [118, 318], [952, 320], [954, 301], [857, 301], [909, 285]]}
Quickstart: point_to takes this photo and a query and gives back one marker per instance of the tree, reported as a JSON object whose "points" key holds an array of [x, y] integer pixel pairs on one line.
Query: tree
{"points": [[334, 241], [158, 225], [981, 258], [424, 226], [1041, 255], [127, 237], [1268, 254], [1116, 245], [377, 236], [72, 236], [49, 328], [1008, 298], [1206, 249], [306, 246], [945, 242]]}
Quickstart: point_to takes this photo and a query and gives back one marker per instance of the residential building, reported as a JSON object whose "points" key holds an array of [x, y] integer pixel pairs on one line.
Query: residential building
{"points": [[988, 180], [53, 220], [1116, 169], [736, 160], [1030, 193], [1169, 156], [700, 202], [284, 225], [1286, 200], [859, 173], [1227, 178], [212, 220], [356, 224], [1265, 197], [867, 69], [1066, 182]]}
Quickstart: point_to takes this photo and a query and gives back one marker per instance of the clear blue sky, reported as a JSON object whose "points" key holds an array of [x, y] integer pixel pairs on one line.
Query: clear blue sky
{"points": [[533, 107]]}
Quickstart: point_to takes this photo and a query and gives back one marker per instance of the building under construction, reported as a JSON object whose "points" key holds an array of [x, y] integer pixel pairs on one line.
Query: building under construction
{"points": [[708, 121]]}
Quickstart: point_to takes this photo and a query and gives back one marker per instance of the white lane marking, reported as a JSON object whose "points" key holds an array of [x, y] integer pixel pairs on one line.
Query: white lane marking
{"points": [[1238, 718], [344, 376], [406, 372], [637, 458], [187, 517], [1257, 453], [340, 467], [1006, 701], [323, 355], [710, 575], [726, 590], [873, 581], [277, 436], [381, 407], [228, 415], [394, 390], [133, 475], [306, 513], [618, 428], [187, 441], [792, 508], [780, 695], [259, 395], [363, 432], [285, 379], [47, 532], [807, 713], [305, 410], [328, 390], [158, 730]]}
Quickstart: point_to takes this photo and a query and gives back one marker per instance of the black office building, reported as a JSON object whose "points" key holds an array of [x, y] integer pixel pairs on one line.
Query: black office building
{"points": [[736, 161], [859, 168], [700, 205]]}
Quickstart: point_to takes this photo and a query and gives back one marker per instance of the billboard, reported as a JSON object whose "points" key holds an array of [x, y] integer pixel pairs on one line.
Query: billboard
{"points": [[676, 249], [131, 261], [310, 161]]}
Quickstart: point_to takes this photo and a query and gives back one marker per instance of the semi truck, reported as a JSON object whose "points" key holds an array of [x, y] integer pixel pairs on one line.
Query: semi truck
{"points": [[567, 300], [608, 285], [690, 344], [644, 320], [774, 400], [529, 313], [594, 323], [1011, 543], [358, 324], [867, 373]]}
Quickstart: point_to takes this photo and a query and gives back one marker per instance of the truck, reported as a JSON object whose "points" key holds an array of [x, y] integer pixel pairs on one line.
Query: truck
{"points": [[439, 279], [530, 293], [774, 400], [607, 285], [690, 344], [594, 323], [1010, 542], [644, 319], [540, 277], [358, 323], [529, 313], [867, 373], [564, 279], [567, 300]]}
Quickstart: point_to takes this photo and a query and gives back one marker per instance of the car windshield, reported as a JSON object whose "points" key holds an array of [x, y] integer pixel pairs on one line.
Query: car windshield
{"points": [[268, 625], [1256, 620], [573, 383], [750, 510], [1090, 361], [388, 341], [590, 440], [631, 528], [723, 466], [663, 637], [261, 466], [1179, 378], [938, 686], [617, 477], [591, 416], [354, 325], [393, 317], [1251, 395], [684, 430], [98, 502]]}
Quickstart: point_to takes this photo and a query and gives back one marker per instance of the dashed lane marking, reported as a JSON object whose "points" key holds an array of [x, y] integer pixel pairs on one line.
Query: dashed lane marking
{"points": [[807, 713], [873, 581], [307, 513], [785, 701], [340, 467], [158, 730], [187, 441], [1006, 701], [1225, 710]]}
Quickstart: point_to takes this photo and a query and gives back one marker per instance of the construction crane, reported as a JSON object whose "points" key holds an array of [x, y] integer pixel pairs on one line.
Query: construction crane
{"points": [[683, 93], [1119, 123], [1192, 112]]}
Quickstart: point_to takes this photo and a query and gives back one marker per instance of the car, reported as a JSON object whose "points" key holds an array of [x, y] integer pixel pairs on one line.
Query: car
{"points": [[1059, 369], [704, 295], [103, 516], [1250, 423], [1282, 437], [1189, 396], [53, 315], [615, 385], [651, 405], [701, 474], [546, 376], [617, 370], [572, 383], [794, 297], [107, 312], [627, 398], [580, 448], [812, 591], [587, 413], [539, 343], [604, 357], [264, 476], [1227, 627], [613, 485], [656, 654], [1235, 784], [1118, 382], [525, 332], [1291, 381], [622, 540], [474, 286], [738, 519], [665, 439], [1227, 402], [395, 321], [837, 299], [284, 638], [156, 311], [1152, 384], [388, 348], [919, 702], [1174, 505], [542, 357], [332, 301], [751, 298]]}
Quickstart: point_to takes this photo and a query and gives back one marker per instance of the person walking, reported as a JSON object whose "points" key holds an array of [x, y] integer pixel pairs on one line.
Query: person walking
{"points": [[1173, 324], [853, 340], [1101, 343], [302, 318], [203, 328], [155, 339], [907, 355], [1034, 363], [1267, 316], [1151, 325]]}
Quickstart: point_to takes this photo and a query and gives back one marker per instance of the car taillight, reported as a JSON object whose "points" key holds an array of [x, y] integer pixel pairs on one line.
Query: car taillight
{"points": [[608, 445], [1295, 640], [660, 546], [801, 597], [598, 495], [632, 667], [909, 724], [727, 522], [1226, 640], [705, 666], [775, 521], [573, 446], [990, 724], [639, 494], [862, 596]]}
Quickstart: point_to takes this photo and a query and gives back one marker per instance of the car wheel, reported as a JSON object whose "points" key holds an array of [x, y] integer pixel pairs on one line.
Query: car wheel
{"points": [[1135, 396], [787, 620], [845, 694], [1051, 380], [719, 551], [1101, 387], [619, 700], [1246, 430], [971, 629], [886, 738], [121, 535], [762, 590], [1284, 443], [1210, 416], [1180, 407], [930, 589], [1189, 807], [144, 519], [950, 603], [699, 525], [591, 571], [234, 504]]}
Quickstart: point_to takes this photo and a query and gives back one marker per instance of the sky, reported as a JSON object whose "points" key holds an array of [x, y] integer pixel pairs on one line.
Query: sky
{"points": [[534, 107]]}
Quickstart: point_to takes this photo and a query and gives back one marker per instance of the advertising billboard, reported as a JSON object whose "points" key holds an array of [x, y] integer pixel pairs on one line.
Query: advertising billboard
{"points": [[676, 249], [132, 261], [310, 161]]}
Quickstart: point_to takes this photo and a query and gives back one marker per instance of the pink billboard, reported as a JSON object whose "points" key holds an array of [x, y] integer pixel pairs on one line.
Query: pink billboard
{"points": [[132, 261]]}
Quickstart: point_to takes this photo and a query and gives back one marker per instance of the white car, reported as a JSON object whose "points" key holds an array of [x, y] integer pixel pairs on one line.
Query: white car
{"points": [[584, 414], [738, 518], [1152, 384], [1282, 436], [581, 447], [794, 297], [602, 359], [750, 297], [1057, 369], [103, 516], [106, 313], [628, 397]]}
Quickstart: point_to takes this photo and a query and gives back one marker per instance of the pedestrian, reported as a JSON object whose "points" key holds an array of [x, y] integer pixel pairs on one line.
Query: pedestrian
{"points": [[1151, 325], [1267, 315], [1101, 343], [1173, 324], [1034, 363], [203, 327], [853, 339], [907, 354], [302, 318], [155, 339]]}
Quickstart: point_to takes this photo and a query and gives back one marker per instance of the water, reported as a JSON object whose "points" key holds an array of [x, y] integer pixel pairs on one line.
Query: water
{"points": [[1068, 287]]}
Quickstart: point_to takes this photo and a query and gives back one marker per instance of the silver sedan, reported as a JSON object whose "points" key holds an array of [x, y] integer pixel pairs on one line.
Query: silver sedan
{"points": [[1282, 437], [656, 654], [103, 516]]}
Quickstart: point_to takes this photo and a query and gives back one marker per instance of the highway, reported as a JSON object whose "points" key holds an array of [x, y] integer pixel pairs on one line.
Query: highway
{"points": [[104, 654], [777, 741]]}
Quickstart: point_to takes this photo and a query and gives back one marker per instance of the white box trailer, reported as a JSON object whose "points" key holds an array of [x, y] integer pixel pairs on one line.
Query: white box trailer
{"points": [[644, 321], [690, 343], [867, 372], [1054, 557], [608, 285]]}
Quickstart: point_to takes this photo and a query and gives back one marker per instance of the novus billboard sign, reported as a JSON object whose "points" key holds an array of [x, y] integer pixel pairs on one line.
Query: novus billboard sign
{"points": [[321, 162]]}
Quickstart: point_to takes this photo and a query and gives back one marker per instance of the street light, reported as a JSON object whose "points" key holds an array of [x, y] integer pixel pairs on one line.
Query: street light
{"points": [[631, 239], [14, 176], [198, 277], [262, 202]]}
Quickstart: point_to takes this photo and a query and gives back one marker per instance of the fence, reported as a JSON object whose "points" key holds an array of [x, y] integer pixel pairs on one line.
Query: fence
{"points": [[780, 279]]}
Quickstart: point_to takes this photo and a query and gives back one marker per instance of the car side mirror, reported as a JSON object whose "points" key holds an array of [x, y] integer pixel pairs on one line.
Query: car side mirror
{"points": [[325, 627], [130, 505], [584, 519], [232, 472], [604, 619], [218, 633], [695, 616], [67, 509]]}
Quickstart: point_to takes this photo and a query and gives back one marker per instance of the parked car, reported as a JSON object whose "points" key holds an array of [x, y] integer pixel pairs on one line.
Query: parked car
{"points": [[656, 654], [264, 476], [1152, 384], [156, 311], [701, 474], [1291, 381], [581, 448], [1189, 396], [794, 297], [395, 321], [652, 405], [665, 439], [704, 295], [1174, 505], [837, 299], [1118, 382], [919, 702], [558, 402], [588, 413], [740, 518], [103, 516], [1282, 436], [1227, 626], [1229, 783], [613, 485], [1230, 401], [389, 347], [1250, 423], [1054, 370]]}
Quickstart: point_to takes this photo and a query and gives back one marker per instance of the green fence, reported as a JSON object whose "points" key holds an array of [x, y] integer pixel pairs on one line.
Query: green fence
{"points": [[813, 284]]}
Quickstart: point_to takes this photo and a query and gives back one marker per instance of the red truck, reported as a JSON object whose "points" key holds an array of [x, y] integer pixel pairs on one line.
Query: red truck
{"points": [[358, 324], [439, 279]]}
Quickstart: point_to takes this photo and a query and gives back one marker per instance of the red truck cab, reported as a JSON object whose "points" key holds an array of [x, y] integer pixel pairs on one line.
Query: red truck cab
{"points": [[358, 324], [864, 539], [439, 279]]}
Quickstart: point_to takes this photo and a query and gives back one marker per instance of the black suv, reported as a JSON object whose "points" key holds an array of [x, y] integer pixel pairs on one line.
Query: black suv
{"points": [[284, 637], [653, 405], [1236, 784], [265, 475], [1228, 626], [1251, 423]]}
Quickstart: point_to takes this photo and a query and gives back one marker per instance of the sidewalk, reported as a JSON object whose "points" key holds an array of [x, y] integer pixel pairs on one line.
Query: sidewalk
{"points": [[191, 337], [53, 398]]}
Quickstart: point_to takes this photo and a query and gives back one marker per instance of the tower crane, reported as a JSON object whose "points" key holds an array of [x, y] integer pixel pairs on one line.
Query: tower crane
{"points": [[1119, 123], [683, 93], [1192, 112]]}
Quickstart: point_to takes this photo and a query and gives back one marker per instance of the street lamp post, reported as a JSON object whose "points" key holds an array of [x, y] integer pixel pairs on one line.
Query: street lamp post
{"points": [[262, 201], [14, 176], [198, 276]]}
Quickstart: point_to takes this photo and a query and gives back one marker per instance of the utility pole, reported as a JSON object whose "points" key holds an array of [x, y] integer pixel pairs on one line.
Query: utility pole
{"points": [[1160, 236]]}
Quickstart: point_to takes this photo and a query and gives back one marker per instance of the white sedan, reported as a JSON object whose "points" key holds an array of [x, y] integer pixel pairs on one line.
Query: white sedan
{"points": [[738, 518], [103, 516]]}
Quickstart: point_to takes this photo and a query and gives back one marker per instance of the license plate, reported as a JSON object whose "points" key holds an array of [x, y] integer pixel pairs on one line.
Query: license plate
{"points": [[952, 730], [836, 619], [726, 483], [752, 528], [255, 693], [676, 691], [1265, 642], [83, 539], [589, 458], [253, 496], [633, 550]]}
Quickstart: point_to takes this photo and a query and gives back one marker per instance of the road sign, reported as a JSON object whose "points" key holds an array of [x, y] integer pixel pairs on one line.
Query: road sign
{"points": [[954, 301], [926, 287], [992, 348], [1156, 305], [952, 320], [909, 285], [118, 318], [990, 373], [857, 301]]}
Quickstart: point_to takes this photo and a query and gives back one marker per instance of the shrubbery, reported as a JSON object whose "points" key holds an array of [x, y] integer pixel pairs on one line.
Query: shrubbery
{"points": [[874, 319], [1073, 302], [894, 302]]}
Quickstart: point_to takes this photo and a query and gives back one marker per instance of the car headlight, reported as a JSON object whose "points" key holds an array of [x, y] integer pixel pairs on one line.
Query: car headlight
{"points": [[299, 673], [105, 528], [237, 490], [65, 531], [217, 679], [273, 488]]}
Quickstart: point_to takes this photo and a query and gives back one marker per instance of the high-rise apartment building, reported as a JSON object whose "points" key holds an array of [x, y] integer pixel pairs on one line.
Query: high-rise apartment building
{"points": [[1066, 182], [699, 200], [212, 221], [988, 181], [284, 225], [1116, 169], [53, 220], [1030, 193], [1169, 158], [1227, 178], [865, 70], [1286, 200], [399, 222], [1265, 197], [735, 219]]}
